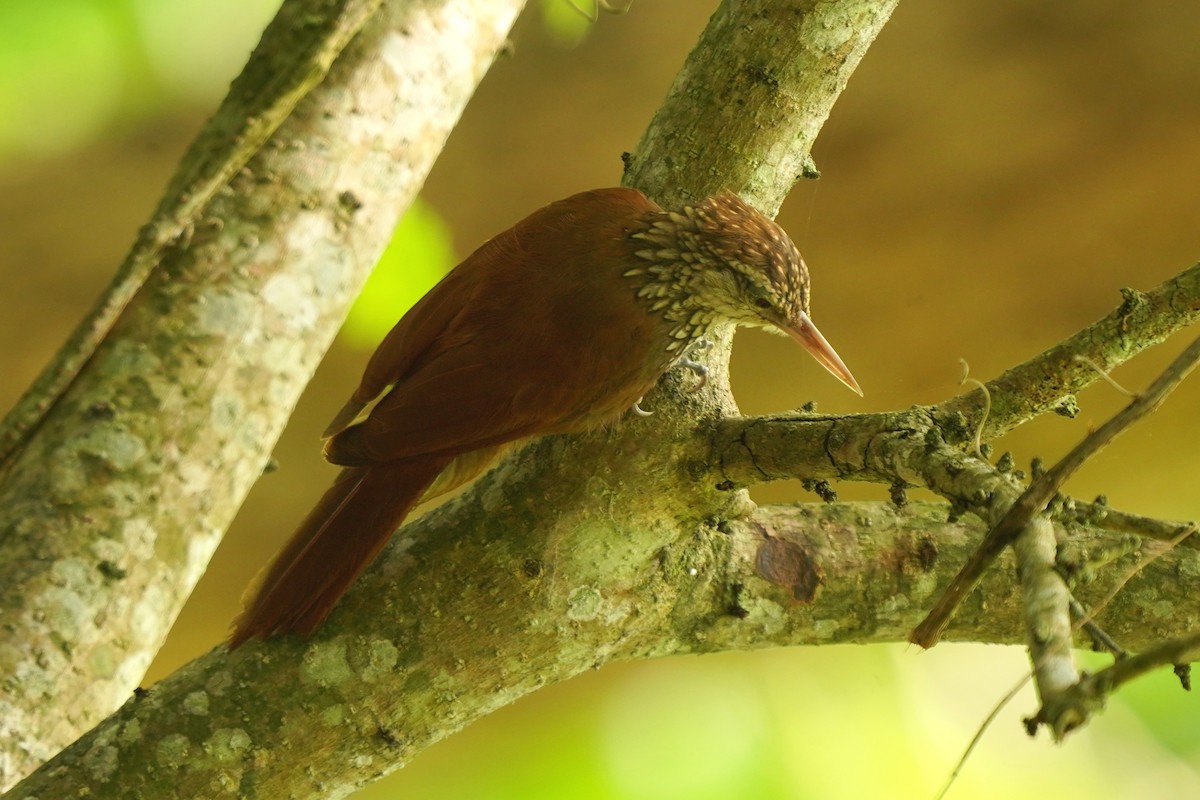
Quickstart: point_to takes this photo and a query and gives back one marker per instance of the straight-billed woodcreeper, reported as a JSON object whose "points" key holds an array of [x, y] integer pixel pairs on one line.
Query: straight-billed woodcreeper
{"points": [[560, 324]]}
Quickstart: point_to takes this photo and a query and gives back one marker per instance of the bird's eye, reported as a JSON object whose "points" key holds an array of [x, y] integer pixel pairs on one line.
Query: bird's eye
{"points": [[762, 302]]}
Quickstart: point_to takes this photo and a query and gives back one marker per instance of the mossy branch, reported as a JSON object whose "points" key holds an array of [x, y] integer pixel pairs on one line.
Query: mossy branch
{"points": [[116, 498]]}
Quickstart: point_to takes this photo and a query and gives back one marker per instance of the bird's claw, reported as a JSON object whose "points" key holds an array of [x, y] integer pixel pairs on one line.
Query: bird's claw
{"points": [[701, 371]]}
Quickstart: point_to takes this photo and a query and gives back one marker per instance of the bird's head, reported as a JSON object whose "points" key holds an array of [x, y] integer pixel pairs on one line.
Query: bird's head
{"points": [[738, 263]]}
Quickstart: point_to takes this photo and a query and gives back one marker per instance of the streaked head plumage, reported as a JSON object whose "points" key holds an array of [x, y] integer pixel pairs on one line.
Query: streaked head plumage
{"points": [[724, 255], [722, 259]]}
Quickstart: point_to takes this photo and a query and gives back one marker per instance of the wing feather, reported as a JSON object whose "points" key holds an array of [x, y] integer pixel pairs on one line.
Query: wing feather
{"points": [[510, 344]]}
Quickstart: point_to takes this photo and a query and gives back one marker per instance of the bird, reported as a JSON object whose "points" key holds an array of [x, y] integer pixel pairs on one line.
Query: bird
{"points": [[559, 324]]}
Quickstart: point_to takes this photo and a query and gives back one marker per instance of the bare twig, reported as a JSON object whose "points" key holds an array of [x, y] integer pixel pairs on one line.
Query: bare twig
{"points": [[1089, 694], [1100, 638], [977, 443], [1097, 515], [1145, 561], [1043, 489], [1046, 603], [987, 723]]}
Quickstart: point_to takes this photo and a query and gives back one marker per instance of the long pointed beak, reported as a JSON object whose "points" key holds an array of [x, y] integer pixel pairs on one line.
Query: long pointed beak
{"points": [[811, 340]]}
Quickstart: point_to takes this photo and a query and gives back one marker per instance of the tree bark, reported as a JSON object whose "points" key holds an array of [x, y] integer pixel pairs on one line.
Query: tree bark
{"points": [[110, 511]]}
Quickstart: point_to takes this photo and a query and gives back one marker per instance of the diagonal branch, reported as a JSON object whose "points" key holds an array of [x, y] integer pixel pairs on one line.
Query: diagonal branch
{"points": [[898, 445], [112, 508], [1048, 381], [295, 54]]}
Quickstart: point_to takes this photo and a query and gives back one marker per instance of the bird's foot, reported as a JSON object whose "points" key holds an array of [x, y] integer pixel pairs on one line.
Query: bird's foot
{"points": [[697, 347], [701, 371]]}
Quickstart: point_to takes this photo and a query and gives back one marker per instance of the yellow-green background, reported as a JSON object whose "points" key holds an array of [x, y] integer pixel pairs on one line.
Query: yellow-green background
{"points": [[994, 174]]}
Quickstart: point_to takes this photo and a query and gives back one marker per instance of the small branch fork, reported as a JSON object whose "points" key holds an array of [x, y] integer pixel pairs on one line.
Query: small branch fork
{"points": [[1060, 706], [1067, 706], [1076, 703], [1066, 700], [1042, 490]]}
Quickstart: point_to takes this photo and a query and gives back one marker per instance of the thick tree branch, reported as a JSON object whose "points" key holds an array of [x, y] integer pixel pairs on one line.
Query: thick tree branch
{"points": [[839, 586], [295, 53], [110, 512], [748, 103], [450, 626]]}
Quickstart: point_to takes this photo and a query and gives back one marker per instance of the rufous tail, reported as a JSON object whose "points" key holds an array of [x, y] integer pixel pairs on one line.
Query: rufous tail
{"points": [[342, 534]]}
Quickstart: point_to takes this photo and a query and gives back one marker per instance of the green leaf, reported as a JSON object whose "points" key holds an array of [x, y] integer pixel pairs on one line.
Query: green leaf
{"points": [[565, 26], [61, 72], [417, 257]]}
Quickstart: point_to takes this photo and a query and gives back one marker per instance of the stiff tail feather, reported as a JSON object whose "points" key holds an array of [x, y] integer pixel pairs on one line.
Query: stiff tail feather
{"points": [[342, 534]]}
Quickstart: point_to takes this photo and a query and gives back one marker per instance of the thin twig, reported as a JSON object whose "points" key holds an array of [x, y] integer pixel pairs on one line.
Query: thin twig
{"points": [[1046, 603], [1089, 694], [987, 405], [1144, 562], [1099, 636], [1042, 490], [1097, 515], [1004, 701]]}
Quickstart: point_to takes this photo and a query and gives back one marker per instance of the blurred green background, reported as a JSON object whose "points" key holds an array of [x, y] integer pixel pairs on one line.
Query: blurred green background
{"points": [[993, 175]]}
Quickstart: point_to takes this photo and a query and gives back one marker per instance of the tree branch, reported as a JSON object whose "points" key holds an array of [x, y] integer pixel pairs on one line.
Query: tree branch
{"points": [[1047, 604], [450, 627], [859, 447], [1049, 380], [110, 512], [1043, 488], [1088, 696], [294, 55]]}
